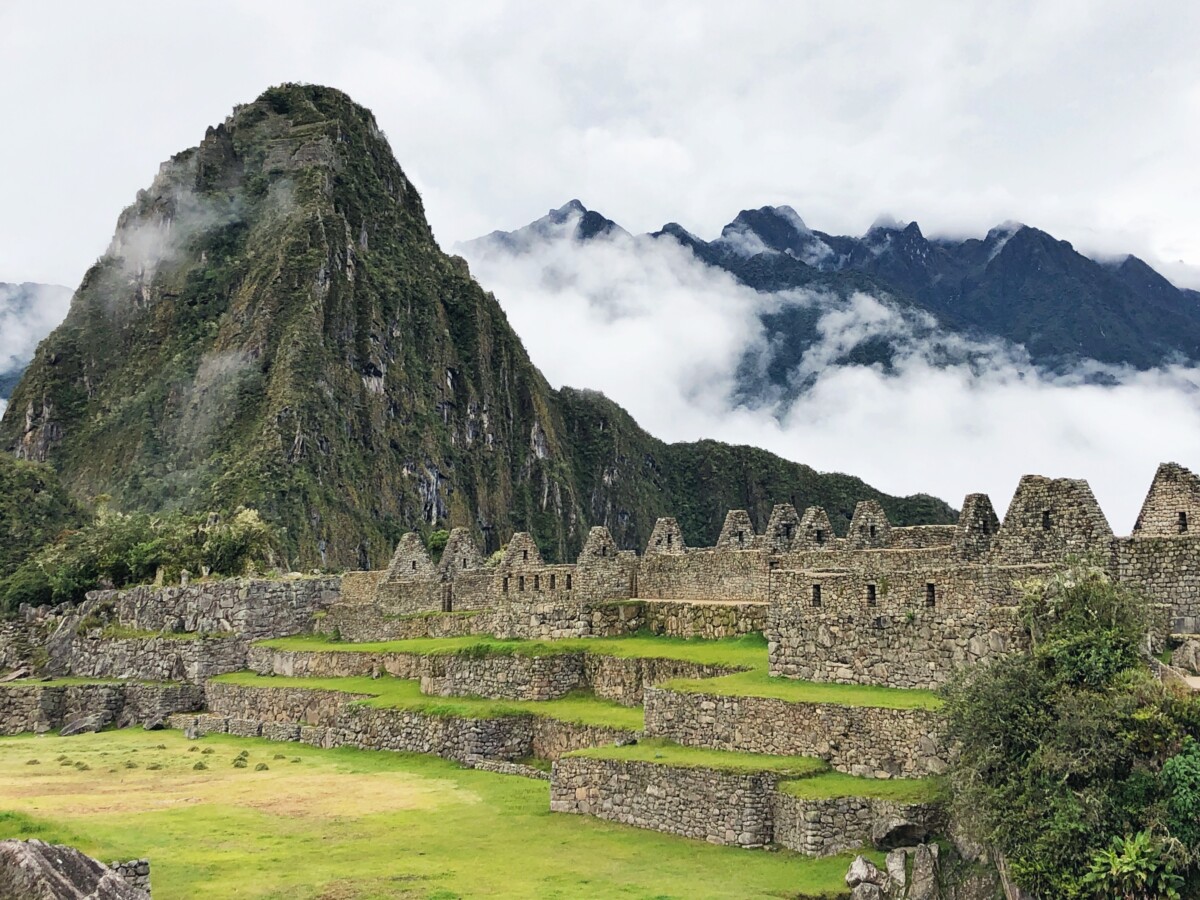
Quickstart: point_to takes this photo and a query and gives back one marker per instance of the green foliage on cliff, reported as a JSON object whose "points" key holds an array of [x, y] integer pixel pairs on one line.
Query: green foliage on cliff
{"points": [[1074, 758], [275, 327], [34, 510], [118, 549]]}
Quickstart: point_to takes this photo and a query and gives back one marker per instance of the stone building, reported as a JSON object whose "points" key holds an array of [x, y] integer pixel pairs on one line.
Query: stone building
{"points": [[882, 604]]}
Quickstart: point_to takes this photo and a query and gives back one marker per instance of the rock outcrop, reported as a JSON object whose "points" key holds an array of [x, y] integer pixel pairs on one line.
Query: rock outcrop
{"points": [[35, 870]]}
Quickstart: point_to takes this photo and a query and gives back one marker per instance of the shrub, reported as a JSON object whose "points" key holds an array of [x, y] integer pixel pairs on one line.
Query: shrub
{"points": [[200, 765], [1075, 761], [239, 762], [261, 767]]}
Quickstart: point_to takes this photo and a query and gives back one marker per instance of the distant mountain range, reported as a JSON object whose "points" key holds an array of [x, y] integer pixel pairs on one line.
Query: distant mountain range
{"points": [[1017, 287], [28, 312], [274, 325]]}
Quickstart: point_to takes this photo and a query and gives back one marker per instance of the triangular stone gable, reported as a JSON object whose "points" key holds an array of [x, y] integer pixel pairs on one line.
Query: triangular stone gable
{"points": [[869, 528], [1050, 518], [815, 532], [522, 552], [738, 532], [782, 528], [461, 553], [599, 548], [1172, 505], [411, 560], [978, 525], [666, 538]]}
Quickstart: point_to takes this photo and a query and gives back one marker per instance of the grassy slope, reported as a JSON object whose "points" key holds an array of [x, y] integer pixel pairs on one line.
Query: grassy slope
{"points": [[749, 652], [403, 693], [356, 824], [667, 753], [759, 684]]}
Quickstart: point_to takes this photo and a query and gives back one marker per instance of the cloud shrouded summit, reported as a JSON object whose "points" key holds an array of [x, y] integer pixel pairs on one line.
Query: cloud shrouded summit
{"points": [[946, 411]]}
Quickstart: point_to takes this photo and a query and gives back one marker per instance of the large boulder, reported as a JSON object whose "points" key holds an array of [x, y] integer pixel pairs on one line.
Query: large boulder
{"points": [[35, 870]]}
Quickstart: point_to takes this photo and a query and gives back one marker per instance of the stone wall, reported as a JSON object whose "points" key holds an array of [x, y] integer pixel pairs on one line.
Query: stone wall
{"points": [[1164, 570], [1172, 505], [912, 629], [333, 719], [253, 609], [501, 676], [134, 872], [191, 659], [307, 706], [713, 806], [860, 740], [829, 826], [710, 574], [46, 707]]}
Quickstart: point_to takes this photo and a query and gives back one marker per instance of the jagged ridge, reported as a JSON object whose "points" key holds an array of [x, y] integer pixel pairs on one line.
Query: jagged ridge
{"points": [[274, 325]]}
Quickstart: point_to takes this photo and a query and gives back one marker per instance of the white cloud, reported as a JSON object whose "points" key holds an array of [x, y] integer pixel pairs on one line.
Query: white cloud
{"points": [[957, 114], [27, 314], [662, 334]]}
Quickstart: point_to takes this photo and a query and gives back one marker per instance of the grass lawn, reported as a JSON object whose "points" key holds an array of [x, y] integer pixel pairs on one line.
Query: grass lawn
{"points": [[668, 753], [405, 693], [829, 785], [351, 824], [759, 684], [747, 652]]}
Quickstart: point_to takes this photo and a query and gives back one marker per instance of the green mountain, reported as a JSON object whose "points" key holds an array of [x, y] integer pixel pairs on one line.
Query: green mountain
{"points": [[274, 325]]}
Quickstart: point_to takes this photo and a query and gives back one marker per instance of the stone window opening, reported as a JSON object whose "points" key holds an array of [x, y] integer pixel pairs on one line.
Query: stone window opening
{"points": [[669, 539], [930, 594], [871, 530], [464, 562], [880, 621], [1182, 523], [414, 564], [604, 551], [820, 536], [741, 538], [788, 531], [871, 601], [1045, 520], [520, 582], [568, 582], [552, 580], [505, 584], [983, 526], [537, 582], [525, 556], [816, 595]]}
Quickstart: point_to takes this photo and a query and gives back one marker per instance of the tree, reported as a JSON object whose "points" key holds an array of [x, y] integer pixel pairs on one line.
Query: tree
{"points": [[1076, 763]]}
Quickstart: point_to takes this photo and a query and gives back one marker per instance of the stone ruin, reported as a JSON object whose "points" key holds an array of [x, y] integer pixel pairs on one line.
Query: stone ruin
{"points": [[882, 604]]}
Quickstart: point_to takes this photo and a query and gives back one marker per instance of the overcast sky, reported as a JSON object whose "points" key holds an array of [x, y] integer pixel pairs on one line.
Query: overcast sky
{"points": [[1081, 118]]}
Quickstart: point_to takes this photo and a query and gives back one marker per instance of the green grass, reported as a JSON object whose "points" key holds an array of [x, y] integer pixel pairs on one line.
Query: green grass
{"points": [[404, 693], [747, 652], [667, 753], [358, 824], [829, 785], [759, 684]]}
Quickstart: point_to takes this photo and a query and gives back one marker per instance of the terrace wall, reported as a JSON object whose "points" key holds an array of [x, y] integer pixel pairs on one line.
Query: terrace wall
{"points": [[861, 740]]}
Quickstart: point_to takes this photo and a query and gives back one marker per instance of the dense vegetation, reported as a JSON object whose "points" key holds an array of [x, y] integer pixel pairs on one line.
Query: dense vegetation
{"points": [[275, 327], [1077, 764], [34, 510], [118, 549]]}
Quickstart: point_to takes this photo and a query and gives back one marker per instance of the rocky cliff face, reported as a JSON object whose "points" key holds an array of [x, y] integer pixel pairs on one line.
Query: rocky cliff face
{"points": [[273, 325]]}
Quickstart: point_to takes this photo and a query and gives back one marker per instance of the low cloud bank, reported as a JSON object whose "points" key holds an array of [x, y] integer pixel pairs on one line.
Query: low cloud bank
{"points": [[664, 336]]}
